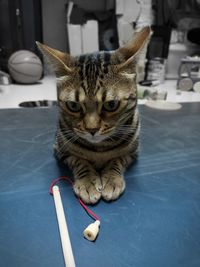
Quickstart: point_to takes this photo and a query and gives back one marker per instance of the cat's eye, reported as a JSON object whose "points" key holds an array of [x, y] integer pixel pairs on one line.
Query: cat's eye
{"points": [[73, 106], [111, 106]]}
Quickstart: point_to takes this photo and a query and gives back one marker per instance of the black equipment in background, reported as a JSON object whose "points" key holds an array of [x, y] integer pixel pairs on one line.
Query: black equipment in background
{"points": [[20, 27]]}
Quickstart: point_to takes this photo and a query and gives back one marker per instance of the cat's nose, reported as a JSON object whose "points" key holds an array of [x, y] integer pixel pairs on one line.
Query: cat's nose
{"points": [[93, 130]]}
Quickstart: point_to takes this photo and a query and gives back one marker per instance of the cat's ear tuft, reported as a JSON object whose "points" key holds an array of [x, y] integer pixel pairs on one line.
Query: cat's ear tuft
{"points": [[61, 63], [130, 52]]}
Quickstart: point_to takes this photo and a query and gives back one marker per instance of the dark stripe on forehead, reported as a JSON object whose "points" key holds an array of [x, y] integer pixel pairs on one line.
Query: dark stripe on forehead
{"points": [[80, 64], [97, 71], [87, 73], [81, 71], [106, 62], [107, 57], [98, 56], [81, 59], [91, 66]]}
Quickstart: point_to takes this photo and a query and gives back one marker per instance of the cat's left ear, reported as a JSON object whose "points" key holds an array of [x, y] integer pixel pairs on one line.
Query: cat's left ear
{"points": [[129, 53], [61, 63]]}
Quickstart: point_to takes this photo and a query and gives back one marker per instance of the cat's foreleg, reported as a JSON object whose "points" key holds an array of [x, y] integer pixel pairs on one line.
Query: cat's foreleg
{"points": [[87, 182], [112, 177]]}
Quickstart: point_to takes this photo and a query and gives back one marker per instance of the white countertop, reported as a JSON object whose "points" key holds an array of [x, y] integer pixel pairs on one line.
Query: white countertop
{"points": [[13, 94]]}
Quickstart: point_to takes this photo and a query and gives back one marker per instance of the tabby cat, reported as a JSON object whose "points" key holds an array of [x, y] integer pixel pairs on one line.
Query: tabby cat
{"points": [[98, 125]]}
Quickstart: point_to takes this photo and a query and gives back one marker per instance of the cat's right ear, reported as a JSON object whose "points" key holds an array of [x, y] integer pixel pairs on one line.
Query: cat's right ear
{"points": [[129, 54], [61, 63]]}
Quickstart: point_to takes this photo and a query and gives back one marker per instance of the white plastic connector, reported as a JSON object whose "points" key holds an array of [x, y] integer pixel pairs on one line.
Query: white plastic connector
{"points": [[91, 232]]}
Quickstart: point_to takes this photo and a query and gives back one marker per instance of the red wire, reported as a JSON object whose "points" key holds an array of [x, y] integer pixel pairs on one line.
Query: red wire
{"points": [[92, 214], [57, 180]]}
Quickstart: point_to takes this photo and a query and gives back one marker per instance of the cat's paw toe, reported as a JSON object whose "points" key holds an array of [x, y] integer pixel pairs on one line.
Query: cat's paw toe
{"points": [[87, 192], [113, 189]]}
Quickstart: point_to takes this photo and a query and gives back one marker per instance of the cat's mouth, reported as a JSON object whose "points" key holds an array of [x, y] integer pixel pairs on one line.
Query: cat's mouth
{"points": [[96, 138]]}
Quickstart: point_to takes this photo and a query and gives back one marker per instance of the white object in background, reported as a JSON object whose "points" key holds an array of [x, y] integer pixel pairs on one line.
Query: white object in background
{"points": [[125, 31], [5, 78], [90, 39], [196, 87], [163, 105], [69, 11], [131, 10], [145, 18], [119, 7], [145, 14], [64, 235], [176, 53], [74, 34], [75, 40]]}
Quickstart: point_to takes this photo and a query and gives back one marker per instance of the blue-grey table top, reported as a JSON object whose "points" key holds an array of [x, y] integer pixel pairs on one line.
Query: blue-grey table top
{"points": [[155, 223]]}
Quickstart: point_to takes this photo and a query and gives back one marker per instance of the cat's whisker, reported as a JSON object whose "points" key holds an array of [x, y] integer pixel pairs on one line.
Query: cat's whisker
{"points": [[125, 130], [65, 132], [121, 137], [71, 140], [126, 126]]}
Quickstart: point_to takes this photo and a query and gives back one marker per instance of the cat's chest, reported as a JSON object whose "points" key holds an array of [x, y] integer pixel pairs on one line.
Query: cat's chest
{"points": [[99, 158]]}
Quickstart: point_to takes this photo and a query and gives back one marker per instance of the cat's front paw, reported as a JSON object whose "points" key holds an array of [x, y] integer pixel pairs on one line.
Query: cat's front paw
{"points": [[114, 186], [88, 189]]}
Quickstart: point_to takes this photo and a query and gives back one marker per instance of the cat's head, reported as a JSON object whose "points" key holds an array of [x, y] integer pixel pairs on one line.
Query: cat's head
{"points": [[97, 92]]}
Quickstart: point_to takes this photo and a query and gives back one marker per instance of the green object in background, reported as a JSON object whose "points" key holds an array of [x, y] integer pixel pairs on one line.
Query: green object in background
{"points": [[144, 92]]}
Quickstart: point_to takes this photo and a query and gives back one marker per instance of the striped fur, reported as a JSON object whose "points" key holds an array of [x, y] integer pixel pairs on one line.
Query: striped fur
{"points": [[97, 143]]}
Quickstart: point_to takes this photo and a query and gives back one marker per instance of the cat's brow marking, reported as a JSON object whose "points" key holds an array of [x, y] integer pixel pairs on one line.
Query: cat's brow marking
{"points": [[92, 68]]}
